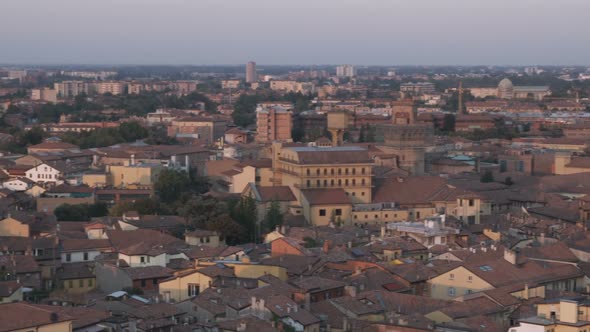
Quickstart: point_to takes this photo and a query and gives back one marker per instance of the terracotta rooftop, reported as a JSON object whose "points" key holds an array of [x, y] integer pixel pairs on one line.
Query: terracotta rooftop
{"points": [[21, 316], [326, 196]]}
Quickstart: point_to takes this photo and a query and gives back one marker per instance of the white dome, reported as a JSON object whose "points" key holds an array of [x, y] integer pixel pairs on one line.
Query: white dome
{"points": [[505, 84]]}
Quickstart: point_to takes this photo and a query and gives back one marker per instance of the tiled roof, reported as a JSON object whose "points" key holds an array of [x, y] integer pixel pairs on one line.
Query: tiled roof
{"points": [[144, 242], [326, 196], [279, 193], [21, 316], [148, 272]]}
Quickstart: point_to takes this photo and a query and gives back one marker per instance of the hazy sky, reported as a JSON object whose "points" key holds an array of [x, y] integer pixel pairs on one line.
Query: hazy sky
{"points": [[364, 32]]}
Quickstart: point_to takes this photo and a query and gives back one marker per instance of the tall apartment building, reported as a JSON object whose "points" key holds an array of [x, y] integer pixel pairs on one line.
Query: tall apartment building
{"points": [[44, 94], [291, 86], [69, 89], [114, 88], [418, 88], [251, 72], [346, 71], [273, 124], [203, 128]]}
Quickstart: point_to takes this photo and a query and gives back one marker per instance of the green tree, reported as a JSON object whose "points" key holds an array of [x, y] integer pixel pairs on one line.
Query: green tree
{"points": [[371, 132], [146, 206], [487, 177], [273, 217], [244, 110], [80, 212], [206, 212], [131, 131], [449, 123], [171, 184], [245, 214]]}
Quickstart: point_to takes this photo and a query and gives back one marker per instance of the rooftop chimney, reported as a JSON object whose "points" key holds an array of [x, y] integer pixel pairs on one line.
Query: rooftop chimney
{"points": [[510, 256]]}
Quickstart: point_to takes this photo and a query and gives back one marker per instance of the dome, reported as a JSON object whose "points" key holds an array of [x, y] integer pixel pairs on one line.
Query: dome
{"points": [[505, 84]]}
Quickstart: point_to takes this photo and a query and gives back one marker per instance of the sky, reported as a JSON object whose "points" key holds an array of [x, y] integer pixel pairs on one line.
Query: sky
{"points": [[291, 32]]}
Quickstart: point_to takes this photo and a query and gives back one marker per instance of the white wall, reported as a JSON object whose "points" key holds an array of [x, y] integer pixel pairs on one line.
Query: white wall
{"points": [[135, 261], [79, 256]]}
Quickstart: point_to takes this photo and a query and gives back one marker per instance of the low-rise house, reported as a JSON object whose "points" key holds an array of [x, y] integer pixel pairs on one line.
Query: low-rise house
{"points": [[22, 268], [161, 223], [76, 278], [322, 207], [143, 247], [46, 174], [115, 277], [188, 284], [10, 291], [432, 231], [557, 315], [27, 224], [266, 195], [15, 317], [315, 289], [83, 250], [493, 270], [201, 237], [18, 184]]}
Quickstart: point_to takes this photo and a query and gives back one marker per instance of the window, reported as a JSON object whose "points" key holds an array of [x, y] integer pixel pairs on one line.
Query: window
{"points": [[452, 276], [207, 239], [332, 171], [332, 182], [68, 257], [353, 171], [339, 182], [340, 171], [325, 171], [322, 212], [85, 256], [470, 279], [376, 216], [346, 182], [317, 171], [353, 182], [257, 178], [143, 283], [362, 193], [452, 291], [142, 259], [154, 282], [308, 172], [346, 171], [193, 290], [363, 181], [338, 212], [363, 170], [386, 215], [325, 183], [70, 283], [471, 202], [90, 283], [81, 283], [417, 215]]}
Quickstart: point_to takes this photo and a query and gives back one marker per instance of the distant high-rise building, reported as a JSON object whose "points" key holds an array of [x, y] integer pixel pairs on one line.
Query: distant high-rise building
{"points": [[251, 72], [345, 71], [273, 124]]}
